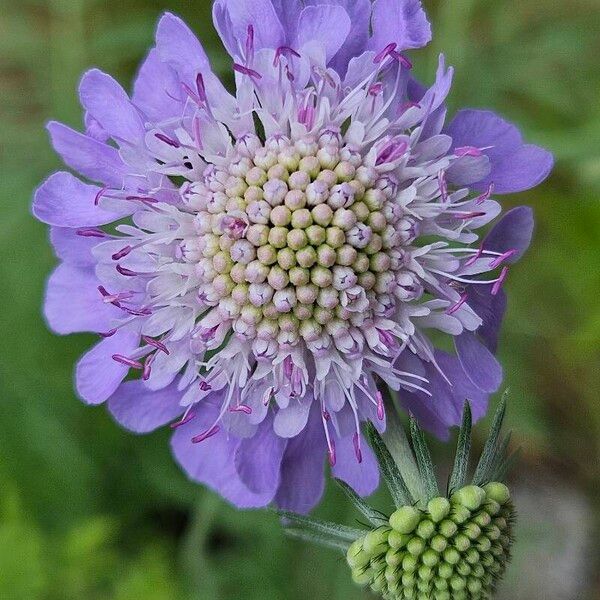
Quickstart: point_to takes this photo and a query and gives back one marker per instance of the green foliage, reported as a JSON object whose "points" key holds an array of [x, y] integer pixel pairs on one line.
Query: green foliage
{"points": [[88, 510]]}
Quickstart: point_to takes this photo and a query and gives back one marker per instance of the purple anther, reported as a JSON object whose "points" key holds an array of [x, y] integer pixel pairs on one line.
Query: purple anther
{"points": [[99, 196], [443, 185], [128, 362], [246, 71], [357, 450], [126, 272], [498, 283], [385, 53], [91, 232], [284, 51], [155, 344], [122, 253], [380, 408], [206, 434], [241, 408], [186, 419], [167, 140], [452, 309], [483, 197]]}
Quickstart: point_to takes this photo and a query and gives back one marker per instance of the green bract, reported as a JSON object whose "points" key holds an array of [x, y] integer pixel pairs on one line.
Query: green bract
{"points": [[431, 546]]}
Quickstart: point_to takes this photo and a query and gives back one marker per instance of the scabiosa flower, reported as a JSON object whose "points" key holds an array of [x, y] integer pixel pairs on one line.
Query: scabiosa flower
{"points": [[258, 262]]}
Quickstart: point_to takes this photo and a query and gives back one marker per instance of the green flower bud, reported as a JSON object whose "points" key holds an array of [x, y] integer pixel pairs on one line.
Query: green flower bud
{"points": [[470, 496], [438, 509], [497, 492], [405, 519]]}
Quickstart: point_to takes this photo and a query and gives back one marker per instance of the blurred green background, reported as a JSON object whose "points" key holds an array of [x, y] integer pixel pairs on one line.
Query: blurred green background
{"points": [[90, 511]]}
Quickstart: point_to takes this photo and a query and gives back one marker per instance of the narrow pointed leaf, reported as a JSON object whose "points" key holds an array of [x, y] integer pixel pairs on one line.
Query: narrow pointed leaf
{"points": [[389, 469], [374, 517], [424, 461], [491, 446], [315, 538], [458, 478], [507, 465], [397, 443], [325, 528]]}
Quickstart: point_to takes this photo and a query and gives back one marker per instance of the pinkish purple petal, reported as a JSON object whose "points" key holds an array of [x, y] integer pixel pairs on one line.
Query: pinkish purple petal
{"points": [[402, 22], [212, 461], [73, 303], [258, 459], [73, 248], [327, 25], [362, 476], [515, 166], [93, 159], [290, 421], [478, 362], [107, 102], [66, 201], [141, 410], [155, 88], [97, 375], [512, 232], [302, 468], [232, 18]]}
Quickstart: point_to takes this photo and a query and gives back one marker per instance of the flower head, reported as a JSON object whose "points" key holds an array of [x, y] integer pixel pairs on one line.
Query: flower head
{"points": [[262, 261]]}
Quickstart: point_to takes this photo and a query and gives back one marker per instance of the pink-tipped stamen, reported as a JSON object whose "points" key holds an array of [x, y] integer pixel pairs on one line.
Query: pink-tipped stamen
{"points": [[443, 185], [357, 450], [206, 434], [122, 253], [486, 195], [452, 309], [243, 408], [385, 53], [128, 362], [498, 284], [284, 51], [156, 344], [126, 272], [92, 232], [99, 196], [167, 140], [246, 71], [380, 407], [186, 419], [504, 256]]}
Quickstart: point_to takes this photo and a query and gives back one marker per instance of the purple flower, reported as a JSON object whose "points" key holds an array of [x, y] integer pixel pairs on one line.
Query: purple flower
{"points": [[257, 284]]}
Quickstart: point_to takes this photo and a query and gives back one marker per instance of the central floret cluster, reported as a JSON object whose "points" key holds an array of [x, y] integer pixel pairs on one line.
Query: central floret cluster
{"points": [[299, 240]]}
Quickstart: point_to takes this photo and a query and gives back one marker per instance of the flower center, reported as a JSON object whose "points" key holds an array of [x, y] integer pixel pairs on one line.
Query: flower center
{"points": [[299, 239]]}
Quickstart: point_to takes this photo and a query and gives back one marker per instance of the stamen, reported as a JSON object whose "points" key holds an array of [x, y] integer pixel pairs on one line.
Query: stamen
{"points": [[108, 334], [357, 450], [485, 196], [92, 232], [284, 51], [241, 408], [500, 259], [205, 386], [474, 258], [187, 417], [384, 53], [496, 287], [468, 151], [443, 185], [452, 309], [250, 43], [156, 344], [206, 434], [126, 272], [167, 140], [128, 362], [122, 253], [380, 408], [401, 59], [99, 196], [468, 215], [246, 71], [148, 367]]}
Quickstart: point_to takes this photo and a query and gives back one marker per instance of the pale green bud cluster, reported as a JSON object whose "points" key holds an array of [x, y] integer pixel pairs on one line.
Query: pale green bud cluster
{"points": [[455, 549], [299, 240]]}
